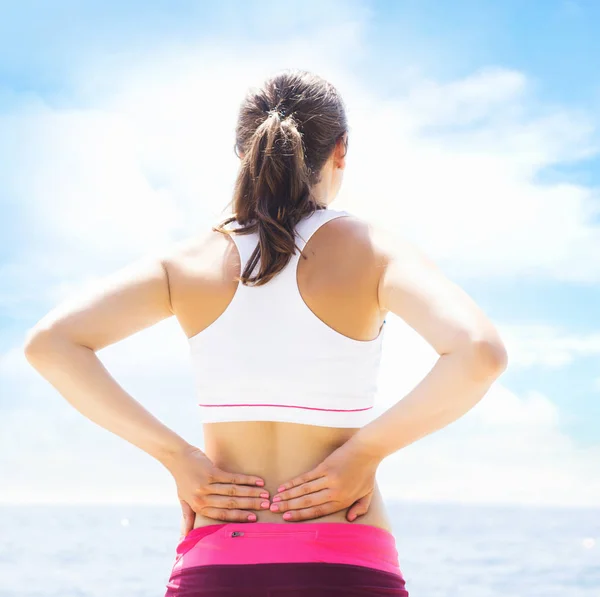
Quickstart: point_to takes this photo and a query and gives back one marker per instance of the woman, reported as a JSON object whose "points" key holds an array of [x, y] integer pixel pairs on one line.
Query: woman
{"points": [[283, 305]]}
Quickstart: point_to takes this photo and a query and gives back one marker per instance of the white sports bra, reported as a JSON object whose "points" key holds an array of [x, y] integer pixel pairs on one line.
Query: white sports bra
{"points": [[268, 357]]}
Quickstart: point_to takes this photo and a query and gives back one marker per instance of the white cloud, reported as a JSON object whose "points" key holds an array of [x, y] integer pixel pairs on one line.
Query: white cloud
{"points": [[88, 189], [546, 345], [457, 170], [507, 449]]}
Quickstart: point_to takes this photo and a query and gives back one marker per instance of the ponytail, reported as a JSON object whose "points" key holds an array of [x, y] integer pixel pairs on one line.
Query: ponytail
{"points": [[273, 188]]}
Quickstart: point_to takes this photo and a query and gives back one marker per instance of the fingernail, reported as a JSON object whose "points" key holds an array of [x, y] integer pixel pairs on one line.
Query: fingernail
{"points": [[260, 482], [252, 517], [264, 494], [274, 508], [287, 515], [276, 499], [264, 505], [281, 488]]}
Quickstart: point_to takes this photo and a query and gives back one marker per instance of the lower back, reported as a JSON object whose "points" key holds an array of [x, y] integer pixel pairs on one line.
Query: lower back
{"points": [[278, 452]]}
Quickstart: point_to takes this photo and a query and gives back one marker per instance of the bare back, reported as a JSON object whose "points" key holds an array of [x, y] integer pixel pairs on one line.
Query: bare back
{"points": [[338, 281]]}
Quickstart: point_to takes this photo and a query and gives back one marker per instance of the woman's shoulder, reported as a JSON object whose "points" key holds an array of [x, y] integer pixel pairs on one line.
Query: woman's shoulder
{"points": [[200, 252], [357, 232]]}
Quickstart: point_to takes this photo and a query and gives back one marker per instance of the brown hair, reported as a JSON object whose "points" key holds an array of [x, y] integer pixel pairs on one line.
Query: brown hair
{"points": [[286, 131]]}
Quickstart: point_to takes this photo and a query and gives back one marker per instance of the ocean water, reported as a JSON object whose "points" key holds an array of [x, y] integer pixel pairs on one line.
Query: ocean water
{"points": [[445, 550]]}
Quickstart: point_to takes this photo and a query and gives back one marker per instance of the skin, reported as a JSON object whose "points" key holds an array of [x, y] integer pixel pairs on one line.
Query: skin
{"points": [[354, 276]]}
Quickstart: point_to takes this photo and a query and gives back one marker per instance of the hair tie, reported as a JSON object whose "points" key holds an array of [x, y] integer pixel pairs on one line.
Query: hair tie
{"points": [[280, 111]]}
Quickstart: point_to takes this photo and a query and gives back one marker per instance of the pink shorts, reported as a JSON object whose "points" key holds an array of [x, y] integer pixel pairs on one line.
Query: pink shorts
{"points": [[272, 559]]}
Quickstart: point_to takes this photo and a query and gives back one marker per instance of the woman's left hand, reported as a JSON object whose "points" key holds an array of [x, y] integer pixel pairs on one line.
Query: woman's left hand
{"points": [[345, 479]]}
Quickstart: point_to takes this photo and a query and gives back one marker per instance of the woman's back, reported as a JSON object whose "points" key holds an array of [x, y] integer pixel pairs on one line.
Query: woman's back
{"points": [[338, 282]]}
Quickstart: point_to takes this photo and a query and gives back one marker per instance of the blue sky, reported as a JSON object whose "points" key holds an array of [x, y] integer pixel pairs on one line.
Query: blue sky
{"points": [[474, 124], [553, 40]]}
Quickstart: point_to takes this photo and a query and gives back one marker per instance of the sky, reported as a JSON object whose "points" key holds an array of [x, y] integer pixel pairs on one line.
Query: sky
{"points": [[473, 132]]}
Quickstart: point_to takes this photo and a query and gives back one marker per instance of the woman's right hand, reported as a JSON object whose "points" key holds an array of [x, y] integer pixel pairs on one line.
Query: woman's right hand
{"points": [[205, 489]]}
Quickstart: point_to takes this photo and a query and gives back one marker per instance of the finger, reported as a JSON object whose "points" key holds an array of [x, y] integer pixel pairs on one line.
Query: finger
{"points": [[225, 515], [237, 503], [306, 501], [309, 513], [189, 517], [236, 490], [359, 508], [316, 473], [300, 490], [221, 476]]}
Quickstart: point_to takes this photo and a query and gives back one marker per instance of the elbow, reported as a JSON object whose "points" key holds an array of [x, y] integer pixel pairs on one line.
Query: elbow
{"points": [[490, 357], [38, 343], [483, 353]]}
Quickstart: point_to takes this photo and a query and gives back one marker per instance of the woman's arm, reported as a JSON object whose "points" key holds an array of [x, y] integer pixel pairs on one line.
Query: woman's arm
{"points": [[472, 357], [62, 348], [472, 354]]}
